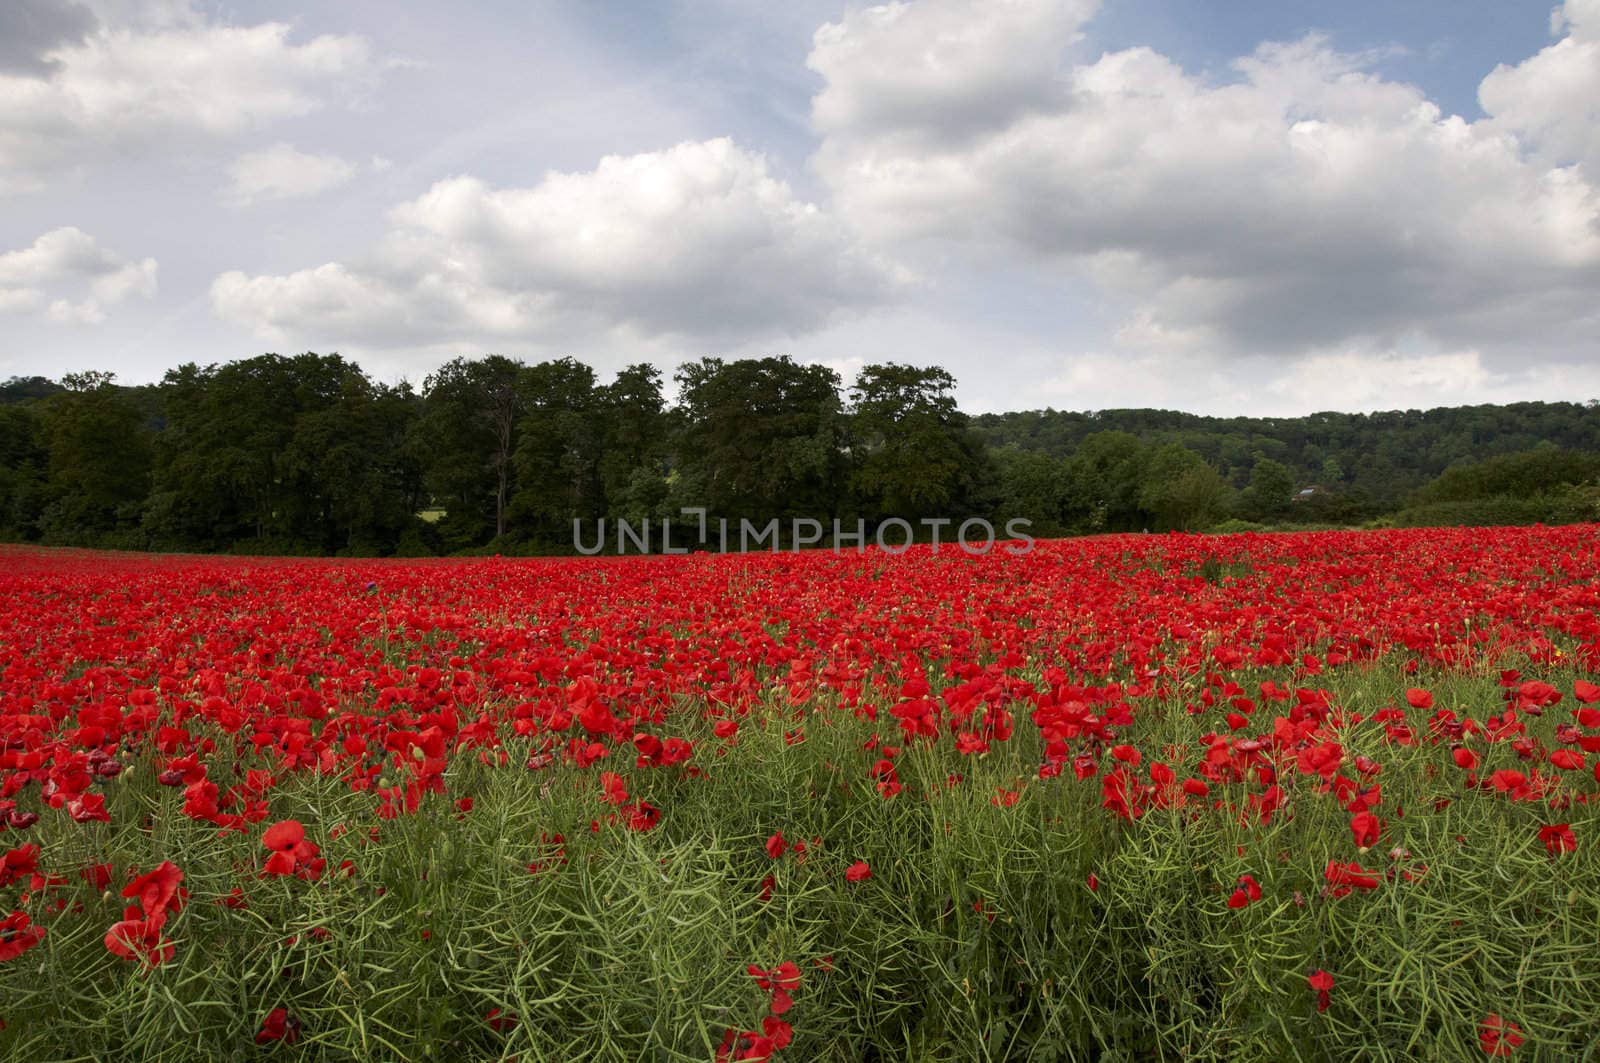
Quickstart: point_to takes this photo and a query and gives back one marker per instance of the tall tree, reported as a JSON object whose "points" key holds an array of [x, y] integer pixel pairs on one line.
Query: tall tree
{"points": [[1271, 491], [557, 460], [916, 457], [23, 461], [100, 457], [637, 432], [1180, 491], [467, 438], [1105, 476], [274, 448], [761, 438]]}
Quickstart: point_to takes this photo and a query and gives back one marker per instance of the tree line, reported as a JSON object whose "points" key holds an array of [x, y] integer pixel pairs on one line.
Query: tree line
{"points": [[307, 454]]}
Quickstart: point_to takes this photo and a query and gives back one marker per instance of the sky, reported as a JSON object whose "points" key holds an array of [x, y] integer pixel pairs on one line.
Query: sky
{"points": [[1219, 206]]}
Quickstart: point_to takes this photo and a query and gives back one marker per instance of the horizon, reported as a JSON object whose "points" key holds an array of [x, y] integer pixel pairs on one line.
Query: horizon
{"points": [[670, 394], [1265, 210]]}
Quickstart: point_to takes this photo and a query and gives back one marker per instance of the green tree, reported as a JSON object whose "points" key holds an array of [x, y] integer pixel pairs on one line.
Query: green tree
{"points": [[356, 486], [760, 438], [557, 460], [635, 448], [1534, 472], [1180, 491], [1271, 491], [23, 461], [297, 453], [1033, 485], [99, 465], [915, 456], [1105, 477], [26, 388], [466, 440]]}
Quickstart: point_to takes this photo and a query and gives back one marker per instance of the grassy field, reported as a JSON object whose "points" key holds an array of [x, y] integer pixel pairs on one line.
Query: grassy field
{"points": [[1140, 798]]}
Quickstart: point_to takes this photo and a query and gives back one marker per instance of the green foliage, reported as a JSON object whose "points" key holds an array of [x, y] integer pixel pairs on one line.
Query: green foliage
{"points": [[1271, 491], [1379, 458], [1234, 525], [978, 936], [557, 458], [1541, 471], [1034, 486], [24, 457], [761, 437], [100, 454], [1106, 477], [467, 438], [305, 452], [308, 455], [916, 456], [22, 389], [1565, 506], [1180, 491]]}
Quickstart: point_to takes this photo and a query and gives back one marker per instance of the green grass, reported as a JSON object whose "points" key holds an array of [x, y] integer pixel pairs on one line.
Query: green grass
{"points": [[636, 947]]}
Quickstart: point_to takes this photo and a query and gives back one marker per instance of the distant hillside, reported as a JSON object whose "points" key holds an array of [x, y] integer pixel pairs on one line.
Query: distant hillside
{"points": [[1381, 457]]}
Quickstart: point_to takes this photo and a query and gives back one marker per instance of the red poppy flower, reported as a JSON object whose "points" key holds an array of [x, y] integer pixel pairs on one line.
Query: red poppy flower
{"points": [[613, 788], [858, 872], [780, 981], [1322, 982], [1507, 780], [500, 1022], [1499, 1037], [17, 935], [1365, 827], [291, 853], [140, 938], [1342, 878], [1558, 838], [1568, 760], [284, 835], [776, 845], [278, 1026], [1245, 891], [156, 889], [19, 863]]}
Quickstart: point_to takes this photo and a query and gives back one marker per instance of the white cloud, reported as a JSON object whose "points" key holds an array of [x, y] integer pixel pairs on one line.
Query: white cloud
{"points": [[1372, 380], [126, 86], [282, 172], [1414, 374], [1552, 100], [1306, 204], [697, 240], [83, 277], [940, 67]]}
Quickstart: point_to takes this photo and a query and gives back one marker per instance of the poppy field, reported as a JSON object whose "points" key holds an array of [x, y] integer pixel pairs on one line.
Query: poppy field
{"points": [[1308, 796]]}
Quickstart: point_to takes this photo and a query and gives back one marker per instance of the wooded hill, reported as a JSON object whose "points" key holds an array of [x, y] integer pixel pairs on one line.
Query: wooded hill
{"points": [[308, 454]]}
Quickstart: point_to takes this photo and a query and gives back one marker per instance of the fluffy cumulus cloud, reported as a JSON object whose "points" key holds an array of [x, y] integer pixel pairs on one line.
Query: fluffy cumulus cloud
{"points": [[940, 69], [1552, 100], [283, 172], [1303, 204], [149, 74], [699, 240], [67, 277]]}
